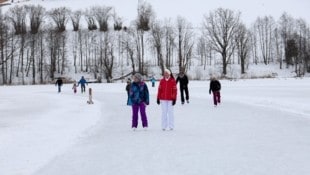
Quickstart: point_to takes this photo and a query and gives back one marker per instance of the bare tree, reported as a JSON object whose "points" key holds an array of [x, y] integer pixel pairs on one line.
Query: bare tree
{"points": [[90, 19], [145, 15], [170, 42], [157, 33], [302, 32], [60, 17], [17, 16], [75, 19], [202, 51], [278, 47], [243, 45], [118, 23], [128, 44], [286, 29], [221, 27], [264, 27], [185, 43], [36, 15], [3, 45], [107, 56], [102, 15]]}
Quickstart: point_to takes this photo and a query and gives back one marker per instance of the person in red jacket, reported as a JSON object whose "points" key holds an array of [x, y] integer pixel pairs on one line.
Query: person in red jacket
{"points": [[166, 96]]}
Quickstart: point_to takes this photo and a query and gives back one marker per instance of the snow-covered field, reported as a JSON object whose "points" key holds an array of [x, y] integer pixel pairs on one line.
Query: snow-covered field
{"points": [[262, 127]]}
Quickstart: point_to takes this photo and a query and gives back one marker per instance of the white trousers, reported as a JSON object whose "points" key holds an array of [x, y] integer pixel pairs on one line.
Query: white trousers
{"points": [[167, 117]]}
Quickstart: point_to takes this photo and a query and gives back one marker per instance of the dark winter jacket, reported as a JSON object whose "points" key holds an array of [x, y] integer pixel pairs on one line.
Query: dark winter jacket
{"points": [[139, 93], [59, 82], [128, 87], [183, 81], [215, 85]]}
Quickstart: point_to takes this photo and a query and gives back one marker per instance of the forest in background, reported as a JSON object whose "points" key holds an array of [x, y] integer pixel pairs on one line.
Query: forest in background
{"points": [[38, 45]]}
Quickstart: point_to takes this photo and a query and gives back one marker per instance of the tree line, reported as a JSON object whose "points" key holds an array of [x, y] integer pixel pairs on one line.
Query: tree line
{"points": [[36, 46]]}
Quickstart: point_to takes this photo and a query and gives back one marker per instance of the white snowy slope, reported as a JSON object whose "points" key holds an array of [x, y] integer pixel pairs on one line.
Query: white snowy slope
{"points": [[262, 127]]}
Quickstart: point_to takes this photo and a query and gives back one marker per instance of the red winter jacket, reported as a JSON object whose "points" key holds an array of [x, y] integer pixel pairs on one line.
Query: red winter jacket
{"points": [[167, 89]]}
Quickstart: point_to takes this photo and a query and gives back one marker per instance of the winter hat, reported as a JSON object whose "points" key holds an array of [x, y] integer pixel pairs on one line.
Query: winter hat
{"points": [[138, 76]]}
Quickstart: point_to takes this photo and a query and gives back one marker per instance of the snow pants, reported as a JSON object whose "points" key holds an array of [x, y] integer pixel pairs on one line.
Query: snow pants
{"points": [[167, 114], [135, 110]]}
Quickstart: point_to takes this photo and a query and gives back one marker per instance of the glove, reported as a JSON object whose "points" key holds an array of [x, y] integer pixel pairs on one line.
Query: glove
{"points": [[173, 102], [158, 102]]}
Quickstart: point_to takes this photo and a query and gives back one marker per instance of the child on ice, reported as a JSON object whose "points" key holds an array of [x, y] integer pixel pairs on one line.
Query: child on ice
{"points": [[74, 87]]}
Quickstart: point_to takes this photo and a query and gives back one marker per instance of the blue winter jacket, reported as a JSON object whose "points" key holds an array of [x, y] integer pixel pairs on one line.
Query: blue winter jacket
{"points": [[82, 82], [139, 93]]}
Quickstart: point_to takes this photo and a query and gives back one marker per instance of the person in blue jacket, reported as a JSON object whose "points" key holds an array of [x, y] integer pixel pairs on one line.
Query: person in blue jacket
{"points": [[83, 82], [153, 80], [139, 97]]}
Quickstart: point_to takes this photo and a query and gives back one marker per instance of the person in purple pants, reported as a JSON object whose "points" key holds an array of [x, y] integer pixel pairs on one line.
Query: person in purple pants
{"points": [[139, 97]]}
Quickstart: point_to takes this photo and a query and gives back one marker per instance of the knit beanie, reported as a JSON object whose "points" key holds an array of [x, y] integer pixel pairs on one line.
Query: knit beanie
{"points": [[138, 76]]}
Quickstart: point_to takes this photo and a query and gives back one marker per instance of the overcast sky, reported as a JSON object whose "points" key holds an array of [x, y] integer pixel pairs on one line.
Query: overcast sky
{"points": [[194, 10]]}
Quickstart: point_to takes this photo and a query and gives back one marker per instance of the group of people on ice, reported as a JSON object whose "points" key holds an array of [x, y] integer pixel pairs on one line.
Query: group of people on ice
{"points": [[81, 82], [138, 97]]}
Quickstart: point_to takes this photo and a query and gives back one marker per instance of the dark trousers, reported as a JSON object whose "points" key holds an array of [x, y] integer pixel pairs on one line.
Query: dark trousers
{"points": [[83, 88], [216, 97], [182, 90], [135, 110]]}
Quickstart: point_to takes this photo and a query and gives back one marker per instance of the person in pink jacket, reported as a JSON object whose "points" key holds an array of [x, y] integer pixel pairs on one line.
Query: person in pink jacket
{"points": [[166, 96]]}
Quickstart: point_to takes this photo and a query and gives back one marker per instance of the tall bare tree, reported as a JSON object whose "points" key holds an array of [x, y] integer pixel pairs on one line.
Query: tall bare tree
{"points": [[143, 22], [17, 16], [221, 26], [90, 19], [102, 15], [287, 24], [185, 43], [264, 27], [170, 39], [75, 19], [243, 45], [107, 55], [157, 33], [128, 44], [3, 45], [36, 15], [60, 16]]}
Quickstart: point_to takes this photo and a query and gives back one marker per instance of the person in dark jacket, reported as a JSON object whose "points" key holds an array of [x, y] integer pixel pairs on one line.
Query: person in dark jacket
{"points": [[128, 91], [182, 78], [215, 87], [139, 97], [59, 83], [83, 82]]}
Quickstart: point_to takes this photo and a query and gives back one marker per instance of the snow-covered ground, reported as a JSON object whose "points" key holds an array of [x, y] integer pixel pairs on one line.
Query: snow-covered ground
{"points": [[262, 127]]}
